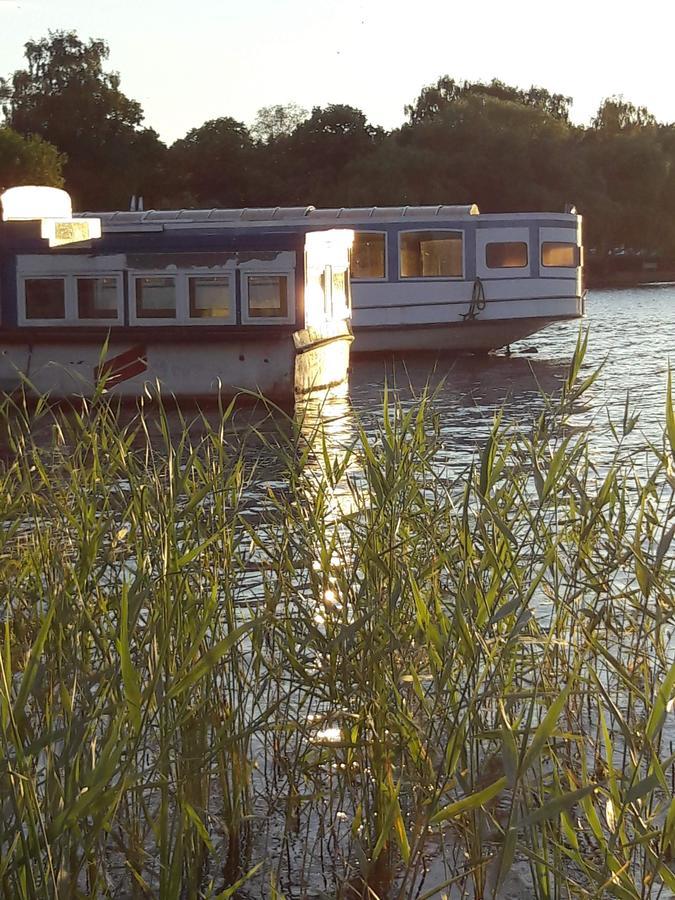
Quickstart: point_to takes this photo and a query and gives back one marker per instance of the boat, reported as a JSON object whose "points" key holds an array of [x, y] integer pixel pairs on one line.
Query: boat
{"points": [[424, 278], [194, 309]]}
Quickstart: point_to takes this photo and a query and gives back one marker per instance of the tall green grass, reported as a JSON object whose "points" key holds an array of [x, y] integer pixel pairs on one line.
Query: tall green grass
{"points": [[292, 660]]}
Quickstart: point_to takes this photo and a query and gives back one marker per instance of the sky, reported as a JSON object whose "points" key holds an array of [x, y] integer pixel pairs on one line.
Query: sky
{"points": [[188, 61]]}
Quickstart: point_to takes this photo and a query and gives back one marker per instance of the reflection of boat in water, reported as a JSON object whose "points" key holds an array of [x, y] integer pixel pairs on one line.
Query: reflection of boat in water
{"points": [[199, 310], [441, 278]]}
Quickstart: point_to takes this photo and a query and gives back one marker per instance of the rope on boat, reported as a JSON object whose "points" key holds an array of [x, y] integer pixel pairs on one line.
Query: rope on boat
{"points": [[478, 301]]}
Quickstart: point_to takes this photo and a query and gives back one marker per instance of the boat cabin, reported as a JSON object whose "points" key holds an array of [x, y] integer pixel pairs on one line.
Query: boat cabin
{"points": [[440, 278], [196, 309]]}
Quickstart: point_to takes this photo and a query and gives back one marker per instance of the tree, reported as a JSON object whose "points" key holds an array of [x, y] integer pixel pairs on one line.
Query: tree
{"points": [[65, 96], [434, 98], [401, 173], [314, 157], [616, 114], [273, 122], [215, 165], [28, 161], [505, 155], [633, 169]]}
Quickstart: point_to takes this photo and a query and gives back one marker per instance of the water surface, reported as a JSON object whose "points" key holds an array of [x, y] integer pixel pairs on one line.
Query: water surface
{"points": [[631, 336]]}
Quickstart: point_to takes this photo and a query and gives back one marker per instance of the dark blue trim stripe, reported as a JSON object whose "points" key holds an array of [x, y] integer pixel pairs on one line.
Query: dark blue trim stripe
{"points": [[489, 301]]}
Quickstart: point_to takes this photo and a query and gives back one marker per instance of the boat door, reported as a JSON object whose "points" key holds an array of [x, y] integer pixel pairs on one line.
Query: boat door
{"points": [[327, 289]]}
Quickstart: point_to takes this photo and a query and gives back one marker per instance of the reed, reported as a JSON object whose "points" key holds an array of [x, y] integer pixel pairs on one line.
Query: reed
{"points": [[294, 659]]}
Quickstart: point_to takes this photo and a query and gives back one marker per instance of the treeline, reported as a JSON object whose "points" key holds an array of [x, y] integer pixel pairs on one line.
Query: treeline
{"points": [[68, 122]]}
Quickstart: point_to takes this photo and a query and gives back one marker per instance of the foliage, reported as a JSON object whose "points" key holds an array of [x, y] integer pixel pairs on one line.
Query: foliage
{"points": [[616, 114], [231, 660], [503, 147], [273, 122], [435, 98], [65, 96], [28, 160], [213, 164], [311, 161]]}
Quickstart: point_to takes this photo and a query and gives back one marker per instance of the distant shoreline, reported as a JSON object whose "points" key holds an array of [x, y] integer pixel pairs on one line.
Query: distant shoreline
{"points": [[593, 280]]}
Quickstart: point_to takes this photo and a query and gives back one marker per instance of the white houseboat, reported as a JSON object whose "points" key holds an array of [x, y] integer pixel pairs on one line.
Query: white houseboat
{"points": [[197, 308], [424, 278]]}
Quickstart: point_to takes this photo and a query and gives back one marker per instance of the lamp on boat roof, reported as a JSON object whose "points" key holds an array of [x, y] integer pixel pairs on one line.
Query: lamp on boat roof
{"points": [[29, 201], [53, 208]]}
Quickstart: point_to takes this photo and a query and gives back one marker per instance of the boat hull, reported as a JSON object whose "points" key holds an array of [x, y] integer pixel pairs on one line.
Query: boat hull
{"points": [[474, 336], [460, 316], [278, 368]]}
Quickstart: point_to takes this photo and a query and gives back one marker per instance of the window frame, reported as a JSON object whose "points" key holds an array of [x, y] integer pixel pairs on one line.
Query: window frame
{"points": [[578, 258], [376, 278], [458, 231], [71, 316], [134, 318], [117, 276], [228, 273], [181, 280], [525, 265], [289, 275]]}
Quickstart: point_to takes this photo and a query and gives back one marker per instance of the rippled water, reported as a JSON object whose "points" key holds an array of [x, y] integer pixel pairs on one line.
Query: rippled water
{"points": [[631, 339], [631, 334]]}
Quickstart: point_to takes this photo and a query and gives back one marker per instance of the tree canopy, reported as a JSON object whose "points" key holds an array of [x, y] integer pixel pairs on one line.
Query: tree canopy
{"points": [[28, 160], [65, 96], [435, 98], [501, 146], [212, 164], [273, 122]]}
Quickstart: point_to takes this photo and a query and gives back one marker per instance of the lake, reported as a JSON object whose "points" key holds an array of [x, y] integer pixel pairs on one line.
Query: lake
{"points": [[399, 661], [631, 335]]}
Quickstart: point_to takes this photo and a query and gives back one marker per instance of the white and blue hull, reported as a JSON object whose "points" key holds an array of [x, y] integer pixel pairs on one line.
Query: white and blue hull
{"points": [[278, 368], [442, 317]]}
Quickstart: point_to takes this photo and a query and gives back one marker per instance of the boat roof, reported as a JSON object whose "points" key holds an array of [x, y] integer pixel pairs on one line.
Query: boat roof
{"points": [[278, 215], [309, 217]]}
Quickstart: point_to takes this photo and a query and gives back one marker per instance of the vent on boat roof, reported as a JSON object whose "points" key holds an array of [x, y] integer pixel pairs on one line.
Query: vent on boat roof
{"points": [[121, 218], [275, 213], [281, 214], [384, 213], [250, 214]]}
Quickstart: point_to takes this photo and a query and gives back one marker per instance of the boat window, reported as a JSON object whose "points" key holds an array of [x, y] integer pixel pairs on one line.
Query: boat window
{"points": [[506, 255], [45, 298], [562, 255], [431, 254], [97, 298], [267, 296], [155, 297], [210, 296], [340, 294], [368, 255]]}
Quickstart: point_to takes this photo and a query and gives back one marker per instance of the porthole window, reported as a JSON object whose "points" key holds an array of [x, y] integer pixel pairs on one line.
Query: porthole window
{"points": [[210, 296], [98, 298]]}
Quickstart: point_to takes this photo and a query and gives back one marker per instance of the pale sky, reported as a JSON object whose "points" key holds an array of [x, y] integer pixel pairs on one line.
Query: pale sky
{"points": [[187, 61]]}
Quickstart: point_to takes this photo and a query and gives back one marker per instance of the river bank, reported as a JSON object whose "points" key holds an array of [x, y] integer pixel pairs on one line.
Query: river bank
{"points": [[637, 278]]}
